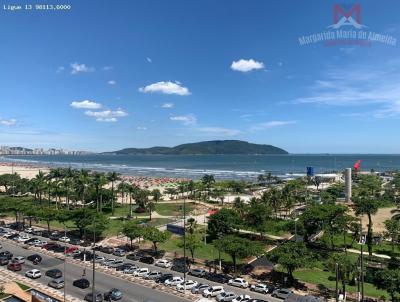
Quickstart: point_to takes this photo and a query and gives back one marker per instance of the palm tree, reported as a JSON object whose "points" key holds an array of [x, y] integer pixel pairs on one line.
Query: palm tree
{"points": [[150, 206], [113, 177], [99, 180], [156, 195], [132, 190], [208, 180], [40, 184], [82, 182]]}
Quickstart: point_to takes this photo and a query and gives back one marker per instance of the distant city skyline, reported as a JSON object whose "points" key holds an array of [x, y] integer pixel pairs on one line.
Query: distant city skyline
{"points": [[158, 73]]}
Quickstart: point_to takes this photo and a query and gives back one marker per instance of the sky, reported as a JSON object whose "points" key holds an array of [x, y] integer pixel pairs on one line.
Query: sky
{"points": [[106, 75]]}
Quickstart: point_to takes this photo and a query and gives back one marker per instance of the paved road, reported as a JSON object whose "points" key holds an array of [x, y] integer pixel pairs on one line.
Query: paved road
{"points": [[132, 292]]}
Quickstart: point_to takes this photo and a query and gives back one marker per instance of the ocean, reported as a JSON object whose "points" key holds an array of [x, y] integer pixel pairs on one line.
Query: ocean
{"points": [[221, 166]]}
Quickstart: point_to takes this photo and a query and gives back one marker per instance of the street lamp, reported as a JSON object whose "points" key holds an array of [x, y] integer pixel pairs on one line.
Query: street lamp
{"points": [[94, 263]]}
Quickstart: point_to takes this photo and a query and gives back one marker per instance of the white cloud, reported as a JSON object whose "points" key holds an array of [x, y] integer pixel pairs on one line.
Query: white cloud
{"points": [[78, 68], [168, 105], [188, 119], [86, 104], [149, 60], [112, 82], [374, 88], [219, 131], [8, 122], [166, 88], [272, 124], [108, 68], [246, 65], [107, 115], [141, 128], [60, 69]]}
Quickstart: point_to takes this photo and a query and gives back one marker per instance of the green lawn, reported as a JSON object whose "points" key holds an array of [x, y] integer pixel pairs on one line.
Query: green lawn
{"points": [[276, 227], [115, 225], [208, 251], [384, 248], [173, 209], [124, 211], [23, 286], [317, 276]]}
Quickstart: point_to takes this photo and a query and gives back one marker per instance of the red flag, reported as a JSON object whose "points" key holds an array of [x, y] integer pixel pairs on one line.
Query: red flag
{"points": [[357, 165]]}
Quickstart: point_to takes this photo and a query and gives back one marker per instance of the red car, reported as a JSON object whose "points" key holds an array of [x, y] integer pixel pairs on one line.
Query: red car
{"points": [[49, 245], [71, 249], [14, 267]]}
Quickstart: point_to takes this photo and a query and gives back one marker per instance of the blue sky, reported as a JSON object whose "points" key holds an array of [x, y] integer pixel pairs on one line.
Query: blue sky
{"points": [[142, 73]]}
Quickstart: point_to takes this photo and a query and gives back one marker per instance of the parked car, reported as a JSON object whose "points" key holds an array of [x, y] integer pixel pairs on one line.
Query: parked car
{"points": [[163, 263], [153, 275], [40, 243], [113, 294], [163, 278], [198, 272], [220, 278], [77, 241], [34, 258], [64, 239], [261, 288], [238, 282], [6, 254], [18, 259], [199, 288], [189, 284], [242, 298], [50, 245], [55, 236], [71, 249], [60, 249], [108, 262], [99, 259], [147, 259], [54, 273], [4, 261], [213, 291], [33, 274], [98, 297], [107, 249], [30, 240], [174, 281], [141, 272], [281, 293], [226, 297], [81, 283], [29, 230], [116, 263], [124, 266], [23, 238], [57, 283], [130, 270], [14, 267], [119, 252]]}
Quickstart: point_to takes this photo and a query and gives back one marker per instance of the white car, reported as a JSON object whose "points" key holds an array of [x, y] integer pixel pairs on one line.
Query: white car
{"points": [[116, 263], [260, 288], [189, 284], [64, 239], [18, 259], [213, 291], [23, 238], [108, 262], [239, 282], [141, 272], [226, 297], [41, 243], [34, 274], [99, 259], [29, 230], [204, 300], [34, 242], [242, 298], [173, 281], [163, 263]]}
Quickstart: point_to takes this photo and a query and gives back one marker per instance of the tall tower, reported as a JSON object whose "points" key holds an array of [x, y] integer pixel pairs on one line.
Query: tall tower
{"points": [[348, 183]]}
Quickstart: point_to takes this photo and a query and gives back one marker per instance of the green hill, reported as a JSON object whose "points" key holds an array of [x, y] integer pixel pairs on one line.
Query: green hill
{"points": [[209, 147]]}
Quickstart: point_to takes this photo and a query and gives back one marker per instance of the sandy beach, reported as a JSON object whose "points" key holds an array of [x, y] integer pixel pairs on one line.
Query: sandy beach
{"points": [[25, 171]]}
